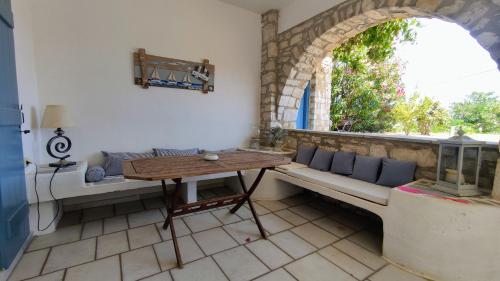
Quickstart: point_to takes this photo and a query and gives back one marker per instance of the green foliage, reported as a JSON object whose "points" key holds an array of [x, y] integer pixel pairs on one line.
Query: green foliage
{"points": [[366, 79], [424, 115], [480, 112]]}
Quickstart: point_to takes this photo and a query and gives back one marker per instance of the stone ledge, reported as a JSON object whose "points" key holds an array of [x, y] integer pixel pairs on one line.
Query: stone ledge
{"points": [[430, 140]]}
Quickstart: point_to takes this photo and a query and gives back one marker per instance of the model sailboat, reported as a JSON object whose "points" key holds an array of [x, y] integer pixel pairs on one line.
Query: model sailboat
{"points": [[171, 81], [186, 82], [155, 76]]}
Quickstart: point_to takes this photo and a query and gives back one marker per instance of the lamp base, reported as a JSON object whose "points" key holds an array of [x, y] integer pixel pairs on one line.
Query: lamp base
{"points": [[62, 164]]}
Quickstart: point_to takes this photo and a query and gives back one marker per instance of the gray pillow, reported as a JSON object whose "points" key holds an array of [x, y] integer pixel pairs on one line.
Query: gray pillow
{"points": [[175, 152], [95, 174], [396, 173], [343, 162], [113, 163], [322, 160], [366, 168], [305, 154]]}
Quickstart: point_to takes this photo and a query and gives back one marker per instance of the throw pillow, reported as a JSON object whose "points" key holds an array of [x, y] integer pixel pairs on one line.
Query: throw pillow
{"points": [[322, 160], [113, 163], [396, 173], [366, 168], [95, 174], [305, 154], [175, 152], [343, 162]]}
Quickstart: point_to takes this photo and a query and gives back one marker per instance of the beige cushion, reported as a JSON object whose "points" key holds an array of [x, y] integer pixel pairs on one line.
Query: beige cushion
{"points": [[291, 166], [365, 190]]}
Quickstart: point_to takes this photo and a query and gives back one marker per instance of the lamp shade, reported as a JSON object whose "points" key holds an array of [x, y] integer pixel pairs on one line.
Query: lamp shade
{"points": [[56, 116]]}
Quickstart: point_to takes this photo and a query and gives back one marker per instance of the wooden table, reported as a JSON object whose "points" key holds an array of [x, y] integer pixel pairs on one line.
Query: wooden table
{"points": [[177, 167]]}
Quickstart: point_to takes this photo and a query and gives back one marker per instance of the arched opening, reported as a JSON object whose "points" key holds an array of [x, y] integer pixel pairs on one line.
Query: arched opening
{"points": [[303, 47]]}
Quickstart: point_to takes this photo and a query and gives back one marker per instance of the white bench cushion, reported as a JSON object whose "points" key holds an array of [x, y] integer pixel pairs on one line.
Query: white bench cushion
{"points": [[365, 190]]}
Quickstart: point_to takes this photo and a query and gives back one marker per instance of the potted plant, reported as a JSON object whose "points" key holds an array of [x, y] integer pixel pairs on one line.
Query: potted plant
{"points": [[277, 136]]}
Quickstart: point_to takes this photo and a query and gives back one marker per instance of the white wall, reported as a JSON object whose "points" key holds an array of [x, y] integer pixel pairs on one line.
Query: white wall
{"points": [[26, 77], [83, 58], [301, 10]]}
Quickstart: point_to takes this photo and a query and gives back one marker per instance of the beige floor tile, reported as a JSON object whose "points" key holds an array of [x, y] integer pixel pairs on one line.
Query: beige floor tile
{"points": [[314, 267], [143, 236], [345, 262], [274, 224], [61, 236], [360, 254], [243, 231], [106, 269], [204, 269], [166, 254], [214, 240], [97, 213], [225, 216], [200, 222], [128, 207], [153, 203], [272, 205], [181, 229], [139, 263], [239, 264], [368, 240], [350, 219], [334, 227], [277, 275], [391, 272], [315, 235], [30, 265], [293, 245], [296, 200], [54, 276], [268, 253], [291, 217], [145, 217], [164, 276], [92, 229], [307, 212], [244, 213], [112, 244], [67, 255], [260, 210], [115, 224]]}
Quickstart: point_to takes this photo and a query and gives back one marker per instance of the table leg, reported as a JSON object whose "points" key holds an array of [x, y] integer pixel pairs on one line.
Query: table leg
{"points": [[248, 193], [170, 221]]}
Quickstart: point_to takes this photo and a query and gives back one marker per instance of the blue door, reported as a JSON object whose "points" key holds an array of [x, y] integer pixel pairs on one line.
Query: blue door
{"points": [[303, 113], [14, 220]]}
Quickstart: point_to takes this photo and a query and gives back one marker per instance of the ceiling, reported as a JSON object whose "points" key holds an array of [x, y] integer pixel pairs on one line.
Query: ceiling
{"points": [[259, 6]]}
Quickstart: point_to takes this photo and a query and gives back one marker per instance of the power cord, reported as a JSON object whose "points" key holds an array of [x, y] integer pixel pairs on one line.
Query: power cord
{"points": [[51, 194]]}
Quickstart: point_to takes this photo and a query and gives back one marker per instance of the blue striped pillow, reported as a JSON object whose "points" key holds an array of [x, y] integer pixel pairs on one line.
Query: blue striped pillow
{"points": [[175, 152]]}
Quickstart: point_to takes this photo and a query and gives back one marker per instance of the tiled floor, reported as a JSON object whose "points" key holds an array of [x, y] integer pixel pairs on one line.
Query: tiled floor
{"points": [[309, 239]]}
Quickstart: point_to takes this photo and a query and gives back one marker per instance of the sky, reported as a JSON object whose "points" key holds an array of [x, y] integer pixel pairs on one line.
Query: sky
{"points": [[447, 63]]}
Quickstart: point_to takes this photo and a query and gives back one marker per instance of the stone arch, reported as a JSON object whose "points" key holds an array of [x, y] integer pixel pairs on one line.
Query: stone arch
{"points": [[302, 47]]}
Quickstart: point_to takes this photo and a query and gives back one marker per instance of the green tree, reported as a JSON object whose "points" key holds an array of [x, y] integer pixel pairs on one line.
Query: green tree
{"points": [[366, 79], [422, 114], [479, 112]]}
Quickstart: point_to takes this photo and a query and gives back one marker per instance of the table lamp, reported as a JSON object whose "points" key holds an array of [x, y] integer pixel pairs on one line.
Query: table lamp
{"points": [[57, 117]]}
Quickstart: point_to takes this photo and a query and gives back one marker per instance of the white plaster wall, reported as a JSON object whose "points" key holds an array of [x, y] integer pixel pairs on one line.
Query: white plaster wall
{"points": [[26, 77], [301, 10], [83, 58]]}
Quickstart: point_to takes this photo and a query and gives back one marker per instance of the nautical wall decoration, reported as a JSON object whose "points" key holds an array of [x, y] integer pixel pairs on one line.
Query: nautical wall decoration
{"points": [[164, 72]]}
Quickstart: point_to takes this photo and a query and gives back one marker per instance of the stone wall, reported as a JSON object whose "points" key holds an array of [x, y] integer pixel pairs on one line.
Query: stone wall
{"points": [[300, 49], [422, 151], [320, 99]]}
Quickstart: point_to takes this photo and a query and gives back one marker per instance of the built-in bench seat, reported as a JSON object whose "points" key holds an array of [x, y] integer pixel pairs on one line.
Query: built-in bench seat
{"points": [[361, 189]]}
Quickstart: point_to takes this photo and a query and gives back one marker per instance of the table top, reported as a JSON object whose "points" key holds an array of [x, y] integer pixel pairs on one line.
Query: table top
{"points": [[174, 167]]}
